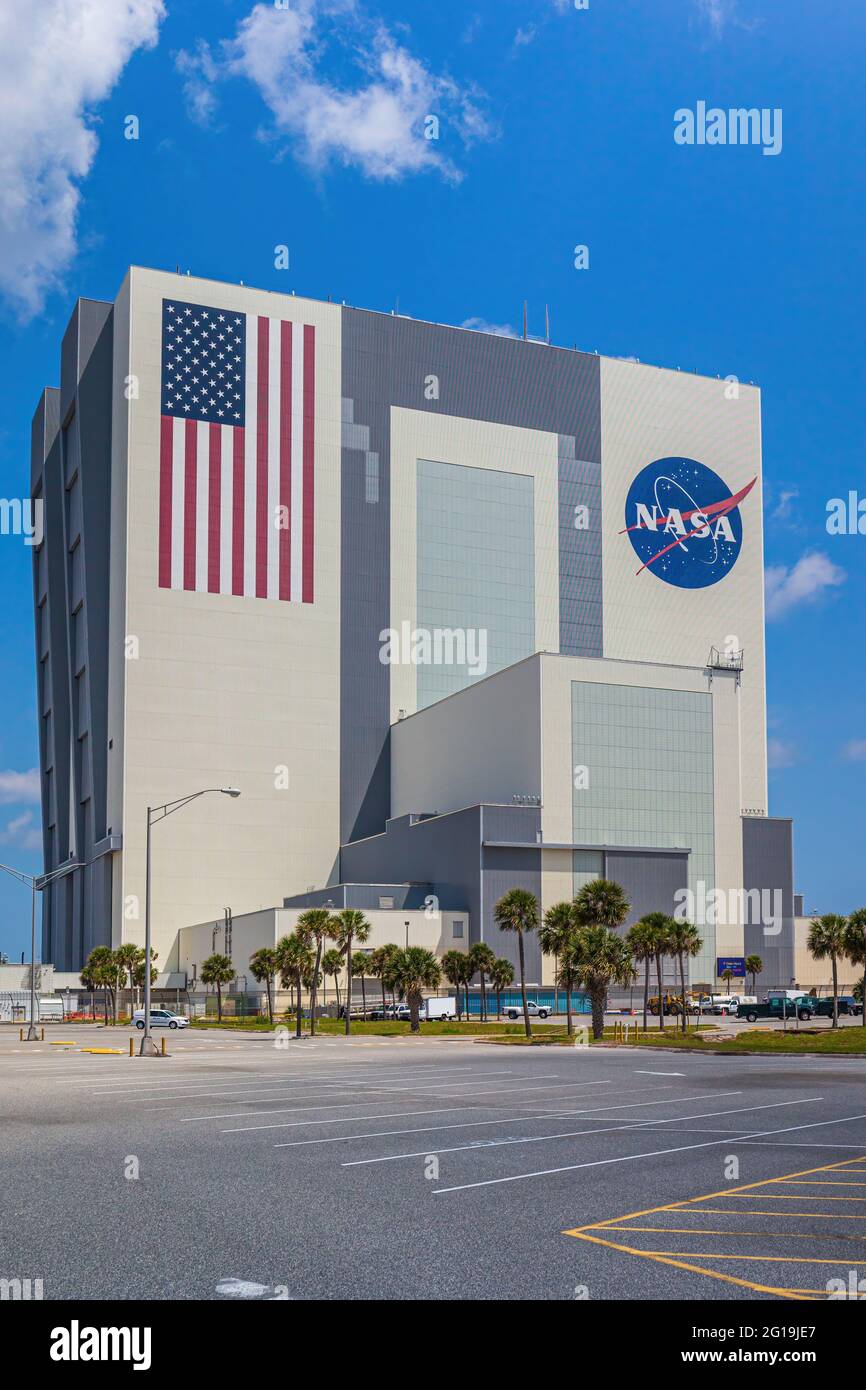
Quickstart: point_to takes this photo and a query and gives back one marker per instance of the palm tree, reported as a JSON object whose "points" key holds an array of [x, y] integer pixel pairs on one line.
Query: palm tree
{"points": [[127, 956], [517, 911], [332, 964], [501, 976], [827, 939], [349, 926], [480, 958], [263, 967], [659, 925], [454, 967], [554, 936], [754, 965], [601, 903], [855, 946], [380, 965], [316, 924], [295, 960], [641, 941], [101, 971], [416, 970], [599, 958], [683, 941], [218, 970], [362, 969], [568, 976]]}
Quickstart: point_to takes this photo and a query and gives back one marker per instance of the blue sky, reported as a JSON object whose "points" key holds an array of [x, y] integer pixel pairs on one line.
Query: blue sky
{"points": [[302, 125]]}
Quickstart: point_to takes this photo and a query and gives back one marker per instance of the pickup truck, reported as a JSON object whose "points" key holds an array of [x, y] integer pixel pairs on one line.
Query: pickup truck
{"points": [[534, 1010], [778, 1007]]}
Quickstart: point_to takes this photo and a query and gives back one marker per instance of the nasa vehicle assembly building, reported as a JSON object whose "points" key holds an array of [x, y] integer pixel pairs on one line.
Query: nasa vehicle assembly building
{"points": [[455, 612]]}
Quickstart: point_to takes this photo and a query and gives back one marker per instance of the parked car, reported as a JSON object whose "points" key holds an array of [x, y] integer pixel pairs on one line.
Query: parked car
{"points": [[777, 1006], [160, 1018], [847, 1005], [399, 1011], [534, 1010]]}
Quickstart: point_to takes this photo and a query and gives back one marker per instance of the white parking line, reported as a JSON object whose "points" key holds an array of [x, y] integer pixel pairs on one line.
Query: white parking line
{"points": [[572, 1134], [185, 1089], [345, 1119], [659, 1153], [439, 1093]]}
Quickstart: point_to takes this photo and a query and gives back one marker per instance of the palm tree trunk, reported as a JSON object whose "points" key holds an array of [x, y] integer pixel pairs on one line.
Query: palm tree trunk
{"points": [[384, 1000], [270, 989], [499, 1006], [598, 1001], [661, 991], [835, 992], [298, 1009], [364, 994], [414, 1003], [569, 1020], [483, 999], [556, 986], [527, 1025], [314, 990], [348, 985], [646, 975], [219, 1003], [683, 987], [337, 988]]}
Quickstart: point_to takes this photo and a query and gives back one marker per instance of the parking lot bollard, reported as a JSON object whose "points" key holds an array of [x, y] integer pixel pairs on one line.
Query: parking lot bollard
{"points": [[162, 1040], [132, 1047]]}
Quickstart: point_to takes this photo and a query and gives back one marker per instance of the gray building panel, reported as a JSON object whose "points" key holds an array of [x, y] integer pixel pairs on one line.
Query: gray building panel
{"points": [[768, 866], [73, 568], [504, 869], [581, 629], [386, 361]]}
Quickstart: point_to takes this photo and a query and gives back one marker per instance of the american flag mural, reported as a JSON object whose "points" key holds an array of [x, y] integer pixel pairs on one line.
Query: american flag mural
{"points": [[237, 452]]}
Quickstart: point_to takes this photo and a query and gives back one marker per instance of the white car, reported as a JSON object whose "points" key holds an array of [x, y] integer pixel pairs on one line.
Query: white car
{"points": [[160, 1018], [534, 1010]]}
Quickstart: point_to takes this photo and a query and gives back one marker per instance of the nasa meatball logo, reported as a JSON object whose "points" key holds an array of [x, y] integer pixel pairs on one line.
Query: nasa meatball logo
{"points": [[684, 522]]}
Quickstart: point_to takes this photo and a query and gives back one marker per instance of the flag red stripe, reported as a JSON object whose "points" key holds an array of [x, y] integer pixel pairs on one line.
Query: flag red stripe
{"points": [[166, 437], [285, 535], [213, 509], [238, 511], [262, 461], [189, 503], [309, 450]]}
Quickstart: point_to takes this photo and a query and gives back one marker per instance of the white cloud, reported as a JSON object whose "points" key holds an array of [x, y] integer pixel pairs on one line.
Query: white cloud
{"points": [[19, 787], [784, 508], [523, 37], [804, 582], [22, 832], [501, 330], [720, 15], [58, 60], [375, 123], [855, 751], [780, 754]]}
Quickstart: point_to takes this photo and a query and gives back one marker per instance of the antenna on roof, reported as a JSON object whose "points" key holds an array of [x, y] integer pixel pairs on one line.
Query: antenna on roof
{"points": [[547, 323]]}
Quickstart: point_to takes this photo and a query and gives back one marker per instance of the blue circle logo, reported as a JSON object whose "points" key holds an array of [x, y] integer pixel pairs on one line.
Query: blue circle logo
{"points": [[684, 522]]}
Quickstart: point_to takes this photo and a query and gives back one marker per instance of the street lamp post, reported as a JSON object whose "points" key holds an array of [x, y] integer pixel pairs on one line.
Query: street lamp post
{"points": [[36, 883], [154, 815]]}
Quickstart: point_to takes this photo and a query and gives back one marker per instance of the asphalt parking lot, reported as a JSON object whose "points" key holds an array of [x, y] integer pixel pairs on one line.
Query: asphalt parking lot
{"points": [[405, 1169]]}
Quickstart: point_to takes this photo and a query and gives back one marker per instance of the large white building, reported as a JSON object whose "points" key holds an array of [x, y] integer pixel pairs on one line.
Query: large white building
{"points": [[451, 610]]}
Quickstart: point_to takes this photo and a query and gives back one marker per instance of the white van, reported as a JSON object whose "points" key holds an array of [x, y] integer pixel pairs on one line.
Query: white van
{"points": [[435, 1009]]}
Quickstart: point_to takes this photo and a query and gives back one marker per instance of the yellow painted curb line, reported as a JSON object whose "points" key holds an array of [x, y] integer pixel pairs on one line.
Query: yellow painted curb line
{"points": [[56, 1043], [104, 1051]]}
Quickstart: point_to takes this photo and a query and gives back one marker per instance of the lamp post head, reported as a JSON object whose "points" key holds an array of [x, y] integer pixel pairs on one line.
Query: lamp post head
{"points": [[230, 791]]}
